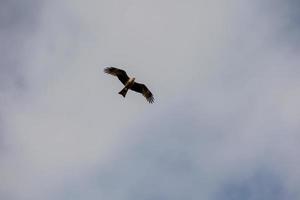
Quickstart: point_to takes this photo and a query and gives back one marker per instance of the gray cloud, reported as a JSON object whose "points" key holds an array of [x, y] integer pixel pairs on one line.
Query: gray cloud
{"points": [[18, 22], [260, 184], [229, 135]]}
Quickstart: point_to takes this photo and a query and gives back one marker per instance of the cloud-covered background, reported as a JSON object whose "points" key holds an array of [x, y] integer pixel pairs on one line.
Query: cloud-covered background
{"points": [[226, 79]]}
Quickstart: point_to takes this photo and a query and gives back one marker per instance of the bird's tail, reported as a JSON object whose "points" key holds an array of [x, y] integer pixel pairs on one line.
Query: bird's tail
{"points": [[123, 92]]}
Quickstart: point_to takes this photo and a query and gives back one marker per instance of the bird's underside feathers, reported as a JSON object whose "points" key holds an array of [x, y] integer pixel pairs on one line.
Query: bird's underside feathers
{"points": [[137, 87]]}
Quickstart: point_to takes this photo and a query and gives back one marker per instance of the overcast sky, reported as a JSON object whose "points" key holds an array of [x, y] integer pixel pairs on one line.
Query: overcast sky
{"points": [[226, 82]]}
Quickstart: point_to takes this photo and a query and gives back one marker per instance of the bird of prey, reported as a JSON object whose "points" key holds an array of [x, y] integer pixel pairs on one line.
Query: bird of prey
{"points": [[129, 83]]}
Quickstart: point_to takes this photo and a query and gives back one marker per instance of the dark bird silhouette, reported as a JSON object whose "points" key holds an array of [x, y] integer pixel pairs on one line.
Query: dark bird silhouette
{"points": [[129, 83]]}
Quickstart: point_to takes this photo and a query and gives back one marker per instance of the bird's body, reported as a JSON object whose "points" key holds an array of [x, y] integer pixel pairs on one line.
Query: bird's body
{"points": [[129, 83], [127, 86]]}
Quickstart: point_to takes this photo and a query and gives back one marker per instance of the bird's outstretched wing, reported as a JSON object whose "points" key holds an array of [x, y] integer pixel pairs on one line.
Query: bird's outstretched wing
{"points": [[141, 88], [121, 74]]}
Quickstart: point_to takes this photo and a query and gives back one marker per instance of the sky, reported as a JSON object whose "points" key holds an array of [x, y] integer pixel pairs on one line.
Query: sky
{"points": [[226, 82]]}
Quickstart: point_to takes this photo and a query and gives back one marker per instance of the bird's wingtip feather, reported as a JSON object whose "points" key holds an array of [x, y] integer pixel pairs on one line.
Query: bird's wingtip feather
{"points": [[107, 69]]}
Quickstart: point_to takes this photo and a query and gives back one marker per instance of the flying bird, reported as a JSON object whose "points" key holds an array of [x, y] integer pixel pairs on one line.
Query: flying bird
{"points": [[129, 83]]}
